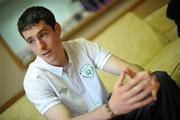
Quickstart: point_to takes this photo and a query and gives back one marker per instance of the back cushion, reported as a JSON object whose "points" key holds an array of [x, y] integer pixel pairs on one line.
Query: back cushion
{"points": [[131, 39], [167, 60], [162, 24], [159, 21]]}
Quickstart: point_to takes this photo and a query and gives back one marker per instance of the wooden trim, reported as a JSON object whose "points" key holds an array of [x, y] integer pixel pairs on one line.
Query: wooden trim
{"points": [[89, 19], [12, 101], [12, 55]]}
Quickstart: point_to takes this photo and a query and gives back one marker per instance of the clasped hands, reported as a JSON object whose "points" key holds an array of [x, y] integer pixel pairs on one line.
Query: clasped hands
{"points": [[139, 91]]}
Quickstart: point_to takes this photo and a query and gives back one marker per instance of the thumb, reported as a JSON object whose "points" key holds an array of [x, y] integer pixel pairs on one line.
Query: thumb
{"points": [[121, 78], [118, 83], [122, 75], [130, 72]]}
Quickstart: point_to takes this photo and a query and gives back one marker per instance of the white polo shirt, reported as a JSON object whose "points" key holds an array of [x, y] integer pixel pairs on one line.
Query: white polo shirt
{"points": [[77, 86]]}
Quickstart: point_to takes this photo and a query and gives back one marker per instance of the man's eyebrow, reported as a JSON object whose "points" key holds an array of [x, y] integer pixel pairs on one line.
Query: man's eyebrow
{"points": [[28, 39], [42, 30]]}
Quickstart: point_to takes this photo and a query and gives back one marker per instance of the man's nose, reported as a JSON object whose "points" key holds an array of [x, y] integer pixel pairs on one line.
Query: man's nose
{"points": [[40, 44]]}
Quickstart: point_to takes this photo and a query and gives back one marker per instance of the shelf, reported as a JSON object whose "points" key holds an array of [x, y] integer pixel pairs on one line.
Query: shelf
{"points": [[87, 20]]}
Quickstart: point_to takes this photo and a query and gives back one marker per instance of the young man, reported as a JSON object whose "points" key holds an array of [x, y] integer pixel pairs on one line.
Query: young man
{"points": [[63, 84]]}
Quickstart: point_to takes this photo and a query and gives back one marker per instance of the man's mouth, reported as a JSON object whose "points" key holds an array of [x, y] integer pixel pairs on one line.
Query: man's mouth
{"points": [[46, 53]]}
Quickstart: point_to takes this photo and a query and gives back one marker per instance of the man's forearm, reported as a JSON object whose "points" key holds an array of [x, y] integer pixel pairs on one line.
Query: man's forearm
{"points": [[100, 113], [136, 67], [116, 65]]}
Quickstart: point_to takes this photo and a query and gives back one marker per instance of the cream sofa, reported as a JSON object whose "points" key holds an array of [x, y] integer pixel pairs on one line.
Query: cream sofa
{"points": [[151, 42]]}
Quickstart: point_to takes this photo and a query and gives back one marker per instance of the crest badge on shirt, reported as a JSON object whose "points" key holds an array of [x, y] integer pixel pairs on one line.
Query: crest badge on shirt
{"points": [[87, 71]]}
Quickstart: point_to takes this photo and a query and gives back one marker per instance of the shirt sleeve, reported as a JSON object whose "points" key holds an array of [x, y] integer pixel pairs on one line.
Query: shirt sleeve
{"points": [[40, 93], [98, 54]]}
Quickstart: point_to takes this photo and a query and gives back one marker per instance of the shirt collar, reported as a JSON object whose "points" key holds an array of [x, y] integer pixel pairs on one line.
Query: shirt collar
{"points": [[69, 54], [42, 64]]}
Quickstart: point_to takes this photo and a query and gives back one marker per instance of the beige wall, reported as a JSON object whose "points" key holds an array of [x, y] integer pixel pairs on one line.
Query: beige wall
{"points": [[11, 77]]}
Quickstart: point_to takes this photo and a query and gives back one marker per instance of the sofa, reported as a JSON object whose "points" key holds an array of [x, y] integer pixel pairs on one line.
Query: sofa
{"points": [[151, 42]]}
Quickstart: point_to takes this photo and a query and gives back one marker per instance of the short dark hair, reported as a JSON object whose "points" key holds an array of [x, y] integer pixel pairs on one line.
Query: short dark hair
{"points": [[33, 15]]}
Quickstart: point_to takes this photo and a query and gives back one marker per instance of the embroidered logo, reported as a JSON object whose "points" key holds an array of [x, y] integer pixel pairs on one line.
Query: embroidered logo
{"points": [[87, 71]]}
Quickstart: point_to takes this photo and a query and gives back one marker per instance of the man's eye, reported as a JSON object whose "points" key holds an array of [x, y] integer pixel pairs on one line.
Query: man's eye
{"points": [[44, 35], [31, 41]]}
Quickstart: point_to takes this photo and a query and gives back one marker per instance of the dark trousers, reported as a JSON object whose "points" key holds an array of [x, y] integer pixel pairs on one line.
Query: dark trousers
{"points": [[166, 107]]}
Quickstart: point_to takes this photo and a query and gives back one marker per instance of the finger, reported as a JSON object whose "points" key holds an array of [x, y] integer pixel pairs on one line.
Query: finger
{"points": [[144, 94], [155, 87], [131, 84], [151, 81], [119, 82], [142, 103], [122, 75], [140, 82], [130, 72], [137, 87]]}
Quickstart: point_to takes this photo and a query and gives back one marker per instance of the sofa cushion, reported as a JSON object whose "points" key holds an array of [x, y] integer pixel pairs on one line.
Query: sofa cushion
{"points": [[23, 109], [162, 24], [131, 39], [167, 59], [159, 21]]}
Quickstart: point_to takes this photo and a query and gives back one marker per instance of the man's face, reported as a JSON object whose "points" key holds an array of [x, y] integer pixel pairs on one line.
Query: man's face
{"points": [[44, 41]]}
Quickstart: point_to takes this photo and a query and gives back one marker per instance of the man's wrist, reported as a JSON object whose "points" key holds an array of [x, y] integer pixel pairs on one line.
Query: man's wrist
{"points": [[108, 109]]}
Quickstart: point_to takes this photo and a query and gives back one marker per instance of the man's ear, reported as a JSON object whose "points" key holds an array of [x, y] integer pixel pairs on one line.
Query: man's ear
{"points": [[58, 28]]}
